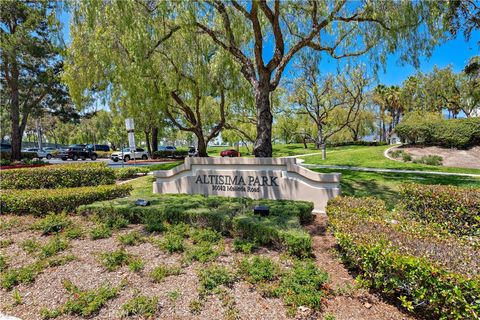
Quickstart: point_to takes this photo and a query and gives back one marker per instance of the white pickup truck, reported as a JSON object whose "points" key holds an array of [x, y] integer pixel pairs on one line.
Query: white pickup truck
{"points": [[128, 155]]}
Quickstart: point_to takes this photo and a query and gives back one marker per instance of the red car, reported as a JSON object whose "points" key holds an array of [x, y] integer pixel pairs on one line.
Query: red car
{"points": [[230, 153]]}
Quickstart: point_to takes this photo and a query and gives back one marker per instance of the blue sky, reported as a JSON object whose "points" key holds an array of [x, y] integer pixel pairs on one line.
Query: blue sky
{"points": [[455, 52]]}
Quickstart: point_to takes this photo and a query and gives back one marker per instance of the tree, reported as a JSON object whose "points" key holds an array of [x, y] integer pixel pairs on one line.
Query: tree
{"points": [[336, 28], [463, 14], [151, 67], [30, 63], [390, 108], [363, 125], [323, 98], [443, 89]]}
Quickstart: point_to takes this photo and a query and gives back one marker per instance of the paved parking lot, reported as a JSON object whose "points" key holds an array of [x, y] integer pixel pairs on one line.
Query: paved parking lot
{"points": [[109, 162]]}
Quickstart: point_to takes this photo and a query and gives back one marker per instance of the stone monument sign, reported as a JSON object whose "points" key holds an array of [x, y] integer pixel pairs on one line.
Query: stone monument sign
{"points": [[257, 178]]}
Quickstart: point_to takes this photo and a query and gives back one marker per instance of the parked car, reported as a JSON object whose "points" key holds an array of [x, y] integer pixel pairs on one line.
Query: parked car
{"points": [[128, 155], [51, 152], [192, 152], [76, 152], [230, 153], [99, 147], [5, 147], [40, 153], [167, 148]]}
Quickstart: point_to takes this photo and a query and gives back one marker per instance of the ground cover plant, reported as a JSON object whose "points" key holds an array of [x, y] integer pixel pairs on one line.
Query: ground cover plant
{"points": [[424, 265], [84, 303]]}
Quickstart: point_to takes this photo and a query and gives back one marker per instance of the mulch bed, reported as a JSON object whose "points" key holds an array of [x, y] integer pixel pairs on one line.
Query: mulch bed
{"points": [[86, 272]]}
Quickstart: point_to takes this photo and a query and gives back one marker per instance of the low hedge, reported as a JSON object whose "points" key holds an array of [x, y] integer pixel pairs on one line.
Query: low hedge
{"points": [[41, 201], [178, 154], [431, 130], [428, 272], [230, 216], [57, 176], [453, 208], [130, 172], [24, 155]]}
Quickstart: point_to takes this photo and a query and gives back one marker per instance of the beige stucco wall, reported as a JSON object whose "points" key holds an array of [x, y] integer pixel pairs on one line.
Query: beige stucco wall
{"points": [[257, 178]]}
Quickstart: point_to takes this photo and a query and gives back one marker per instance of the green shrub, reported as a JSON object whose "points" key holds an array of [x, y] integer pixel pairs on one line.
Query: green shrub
{"points": [[163, 154], [203, 252], [454, 208], [429, 272], [30, 245], [52, 223], [84, 303], [213, 276], [140, 306], [204, 235], [57, 176], [162, 271], [52, 247], [284, 232], [303, 285], [397, 154], [100, 231], [416, 127], [41, 202], [113, 220], [406, 157], [3, 263], [153, 221], [73, 232], [135, 264], [4, 243], [257, 269], [131, 239], [431, 129], [431, 160], [115, 259], [26, 274], [129, 172], [243, 245], [171, 243]]}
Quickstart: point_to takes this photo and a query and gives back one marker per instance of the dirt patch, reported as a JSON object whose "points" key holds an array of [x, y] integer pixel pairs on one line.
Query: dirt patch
{"points": [[451, 157]]}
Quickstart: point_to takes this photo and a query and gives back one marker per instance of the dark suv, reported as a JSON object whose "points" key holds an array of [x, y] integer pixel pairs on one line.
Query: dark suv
{"points": [[99, 147], [76, 152]]}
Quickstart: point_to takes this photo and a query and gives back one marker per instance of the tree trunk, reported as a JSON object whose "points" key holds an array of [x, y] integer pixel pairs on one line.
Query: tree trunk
{"points": [[263, 142], [147, 137], [324, 150], [15, 115], [201, 145], [318, 141], [154, 139]]}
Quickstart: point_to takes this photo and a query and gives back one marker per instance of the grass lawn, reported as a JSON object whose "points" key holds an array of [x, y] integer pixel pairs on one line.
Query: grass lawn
{"points": [[385, 185], [279, 150], [372, 157]]}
